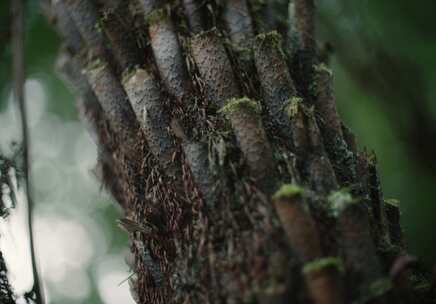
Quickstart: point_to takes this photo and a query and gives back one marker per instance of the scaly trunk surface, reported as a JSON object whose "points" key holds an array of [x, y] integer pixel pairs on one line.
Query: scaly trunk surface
{"points": [[218, 134]]}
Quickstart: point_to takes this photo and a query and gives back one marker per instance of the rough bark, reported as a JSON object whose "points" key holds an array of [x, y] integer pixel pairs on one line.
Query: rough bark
{"points": [[230, 156]]}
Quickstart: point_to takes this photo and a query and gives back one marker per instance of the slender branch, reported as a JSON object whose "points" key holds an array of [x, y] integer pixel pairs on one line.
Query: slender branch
{"points": [[277, 85], [19, 78]]}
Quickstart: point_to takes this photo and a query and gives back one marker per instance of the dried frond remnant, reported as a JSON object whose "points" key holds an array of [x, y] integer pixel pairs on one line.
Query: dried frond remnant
{"points": [[393, 216], [114, 102], [338, 150], [196, 154], [117, 23], [244, 115], [309, 147], [238, 21], [306, 50], [325, 102], [214, 66], [147, 102], [196, 15], [322, 275], [305, 24], [277, 84], [168, 55], [323, 280], [355, 241], [85, 16], [297, 222]]}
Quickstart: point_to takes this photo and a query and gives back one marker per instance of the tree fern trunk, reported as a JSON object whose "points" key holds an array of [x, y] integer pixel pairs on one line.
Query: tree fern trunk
{"points": [[239, 182]]}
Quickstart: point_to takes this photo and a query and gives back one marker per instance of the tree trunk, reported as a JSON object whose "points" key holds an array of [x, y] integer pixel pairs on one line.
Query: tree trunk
{"points": [[239, 182]]}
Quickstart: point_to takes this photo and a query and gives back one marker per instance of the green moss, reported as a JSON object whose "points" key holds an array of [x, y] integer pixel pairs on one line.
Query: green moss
{"points": [[393, 202], [99, 26], [95, 65], [372, 159], [420, 283], [339, 200], [320, 82], [288, 191], [380, 287], [423, 286], [273, 40], [235, 104], [293, 106], [322, 68], [156, 15], [272, 37], [327, 262]]}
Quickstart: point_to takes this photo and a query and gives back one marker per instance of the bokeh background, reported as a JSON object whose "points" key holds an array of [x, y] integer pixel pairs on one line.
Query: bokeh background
{"points": [[385, 69]]}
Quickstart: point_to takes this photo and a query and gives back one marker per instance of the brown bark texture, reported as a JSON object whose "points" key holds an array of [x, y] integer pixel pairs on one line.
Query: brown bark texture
{"points": [[238, 180]]}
